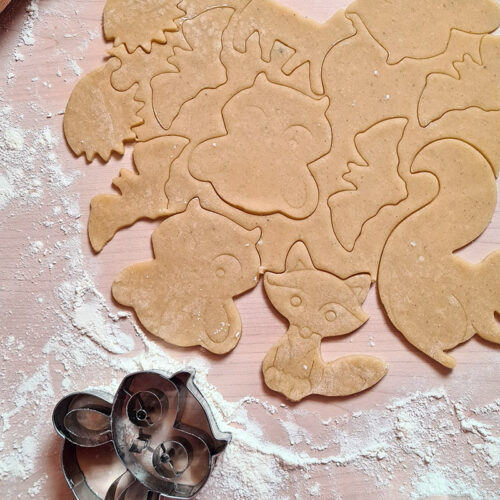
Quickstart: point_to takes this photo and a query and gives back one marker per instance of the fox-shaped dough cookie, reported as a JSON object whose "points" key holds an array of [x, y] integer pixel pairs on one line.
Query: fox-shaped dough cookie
{"points": [[317, 304], [438, 300]]}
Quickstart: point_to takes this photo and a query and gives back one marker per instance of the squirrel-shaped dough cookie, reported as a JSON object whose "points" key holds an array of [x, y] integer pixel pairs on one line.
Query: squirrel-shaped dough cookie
{"points": [[317, 304], [436, 299]]}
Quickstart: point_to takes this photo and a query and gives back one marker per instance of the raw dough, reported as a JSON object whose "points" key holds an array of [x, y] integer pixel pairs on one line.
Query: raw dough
{"points": [[476, 85], [268, 126], [98, 119], [317, 305], [139, 68], [199, 67], [351, 209], [340, 144], [110, 212], [438, 300], [421, 28], [185, 295], [139, 23], [274, 22]]}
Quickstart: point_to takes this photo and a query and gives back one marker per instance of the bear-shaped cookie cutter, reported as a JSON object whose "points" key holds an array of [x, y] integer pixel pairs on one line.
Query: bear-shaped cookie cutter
{"points": [[162, 430]]}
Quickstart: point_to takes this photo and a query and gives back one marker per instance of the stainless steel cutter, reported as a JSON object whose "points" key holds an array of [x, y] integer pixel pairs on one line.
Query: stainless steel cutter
{"points": [[162, 430]]}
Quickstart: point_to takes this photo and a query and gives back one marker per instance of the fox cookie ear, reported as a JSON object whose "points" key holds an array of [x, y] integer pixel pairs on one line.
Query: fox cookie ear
{"points": [[360, 285], [298, 258]]}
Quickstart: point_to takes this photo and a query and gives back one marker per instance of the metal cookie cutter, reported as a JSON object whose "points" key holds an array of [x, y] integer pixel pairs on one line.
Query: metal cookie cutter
{"points": [[162, 429]]}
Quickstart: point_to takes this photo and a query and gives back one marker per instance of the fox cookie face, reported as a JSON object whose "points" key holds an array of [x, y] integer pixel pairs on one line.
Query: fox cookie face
{"points": [[315, 299]]}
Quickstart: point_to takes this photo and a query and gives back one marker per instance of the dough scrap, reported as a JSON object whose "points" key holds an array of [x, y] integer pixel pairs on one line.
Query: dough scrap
{"points": [[194, 8], [142, 194], [476, 86], [317, 305], [274, 22], [139, 68], [98, 119], [185, 295], [199, 67], [138, 24], [387, 92], [337, 153], [421, 28]]}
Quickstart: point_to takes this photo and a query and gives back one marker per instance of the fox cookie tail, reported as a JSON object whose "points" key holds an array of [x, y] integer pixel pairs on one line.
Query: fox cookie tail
{"points": [[348, 375], [436, 299], [294, 367]]}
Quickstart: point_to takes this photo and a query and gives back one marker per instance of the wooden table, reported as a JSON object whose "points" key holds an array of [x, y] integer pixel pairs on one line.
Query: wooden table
{"points": [[68, 37], [3, 4]]}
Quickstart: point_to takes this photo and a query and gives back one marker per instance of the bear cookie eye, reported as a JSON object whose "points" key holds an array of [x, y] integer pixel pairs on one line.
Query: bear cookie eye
{"points": [[295, 301], [330, 315]]}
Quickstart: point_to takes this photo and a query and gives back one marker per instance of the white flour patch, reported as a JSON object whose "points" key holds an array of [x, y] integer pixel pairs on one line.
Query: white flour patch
{"points": [[6, 191], [85, 309], [73, 65], [27, 35], [296, 434], [14, 138]]}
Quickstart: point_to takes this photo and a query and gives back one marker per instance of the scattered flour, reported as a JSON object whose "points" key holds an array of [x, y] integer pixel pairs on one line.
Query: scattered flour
{"points": [[296, 434], [314, 491], [73, 65], [14, 138], [6, 191], [27, 36]]}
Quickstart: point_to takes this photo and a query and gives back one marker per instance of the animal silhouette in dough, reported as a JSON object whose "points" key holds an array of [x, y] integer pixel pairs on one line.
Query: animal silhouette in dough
{"points": [[436, 299], [273, 132], [317, 304], [202, 260]]}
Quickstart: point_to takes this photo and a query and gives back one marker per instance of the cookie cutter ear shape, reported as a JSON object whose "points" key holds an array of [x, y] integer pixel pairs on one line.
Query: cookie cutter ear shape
{"points": [[162, 430], [82, 419]]}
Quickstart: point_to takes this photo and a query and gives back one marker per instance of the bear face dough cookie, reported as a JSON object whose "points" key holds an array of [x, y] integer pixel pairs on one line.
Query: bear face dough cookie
{"points": [[261, 165], [202, 260]]}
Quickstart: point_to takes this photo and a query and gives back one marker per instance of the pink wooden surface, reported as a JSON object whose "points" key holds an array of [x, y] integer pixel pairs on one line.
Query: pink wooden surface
{"points": [[60, 32]]}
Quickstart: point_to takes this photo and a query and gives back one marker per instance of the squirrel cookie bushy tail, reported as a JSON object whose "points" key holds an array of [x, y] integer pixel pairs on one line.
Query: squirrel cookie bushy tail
{"points": [[436, 299]]}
